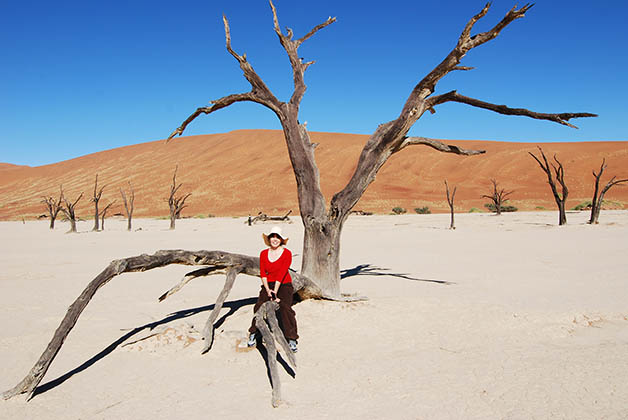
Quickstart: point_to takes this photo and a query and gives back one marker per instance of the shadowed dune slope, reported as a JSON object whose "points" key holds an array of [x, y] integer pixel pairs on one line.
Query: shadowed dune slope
{"points": [[248, 171]]}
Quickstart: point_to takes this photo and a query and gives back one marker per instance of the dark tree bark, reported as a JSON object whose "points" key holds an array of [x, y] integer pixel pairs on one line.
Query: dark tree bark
{"points": [[95, 199], [559, 172], [175, 203], [498, 197], [128, 205], [217, 262], [103, 214], [53, 206], [69, 211], [598, 196], [322, 225], [450, 201]]}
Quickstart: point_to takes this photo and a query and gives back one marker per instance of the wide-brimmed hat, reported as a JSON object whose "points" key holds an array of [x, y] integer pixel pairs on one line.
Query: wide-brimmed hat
{"points": [[277, 231]]}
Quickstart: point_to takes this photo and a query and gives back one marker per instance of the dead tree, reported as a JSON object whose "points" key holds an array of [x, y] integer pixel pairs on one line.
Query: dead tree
{"points": [[322, 224], [214, 262], [498, 197], [320, 273], [53, 206], [559, 172], [598, 196], [69, 211], [95, 199], [103, 214], [176, 203], [450, 201], [128, 205]]}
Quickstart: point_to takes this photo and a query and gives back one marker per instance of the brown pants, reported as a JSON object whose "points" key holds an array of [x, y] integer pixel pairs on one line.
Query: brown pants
{"points": [[287, 317]]}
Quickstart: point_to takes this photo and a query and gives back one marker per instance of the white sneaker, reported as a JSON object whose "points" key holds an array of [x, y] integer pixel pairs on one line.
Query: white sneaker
{"points": [[293, 345], [252, 340]]}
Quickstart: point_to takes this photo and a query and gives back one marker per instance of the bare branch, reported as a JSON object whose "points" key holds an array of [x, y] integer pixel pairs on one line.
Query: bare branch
{"points": [[208, 331], [560, 118], [438, 145], [248, 265]]}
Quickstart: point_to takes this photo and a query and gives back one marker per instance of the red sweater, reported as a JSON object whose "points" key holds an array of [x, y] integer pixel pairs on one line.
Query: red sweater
{"points": [[276, 270]]}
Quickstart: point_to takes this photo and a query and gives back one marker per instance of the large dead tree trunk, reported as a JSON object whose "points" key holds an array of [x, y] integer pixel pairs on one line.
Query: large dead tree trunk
{"points": [[498, 197], [175, 203], [95, 199], [53, 206], [598, 196], [216, 262], [559, 171], [128, 205], [450, 201], [323, 225], [69, 211]]}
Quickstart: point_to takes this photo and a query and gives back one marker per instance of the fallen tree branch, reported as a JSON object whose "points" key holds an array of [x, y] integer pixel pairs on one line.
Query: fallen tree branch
{"points": [[208, 331], [266, 314], [246, 265]]}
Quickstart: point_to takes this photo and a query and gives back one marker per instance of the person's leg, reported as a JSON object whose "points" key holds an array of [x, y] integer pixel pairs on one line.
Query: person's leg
{"points": [[286, 313]]}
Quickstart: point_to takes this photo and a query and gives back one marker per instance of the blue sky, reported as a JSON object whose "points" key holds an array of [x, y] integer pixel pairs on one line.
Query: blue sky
{"points": [[78, 77]]}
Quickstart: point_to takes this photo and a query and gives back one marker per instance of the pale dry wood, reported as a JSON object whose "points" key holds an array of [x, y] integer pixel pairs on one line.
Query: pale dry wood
{"points": [[208, 331], [498, 196], [559, 172], [450, 201], [598, 196], [176, 203], [128, 204], [322, 223], [53, 206], [267, 325], [69, 210], [245, 265], [103, 214], [97, 194]]}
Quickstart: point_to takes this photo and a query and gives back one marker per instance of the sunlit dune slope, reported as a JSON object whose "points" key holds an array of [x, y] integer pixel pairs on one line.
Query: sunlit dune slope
{"points": [[247, 171]]}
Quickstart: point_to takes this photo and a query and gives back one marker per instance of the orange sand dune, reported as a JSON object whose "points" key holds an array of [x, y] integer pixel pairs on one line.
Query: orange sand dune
{"points": [[248, 171]]}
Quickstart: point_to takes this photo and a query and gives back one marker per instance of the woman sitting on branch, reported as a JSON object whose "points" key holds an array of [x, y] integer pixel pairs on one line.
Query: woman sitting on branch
{"points": [[274, 265]]}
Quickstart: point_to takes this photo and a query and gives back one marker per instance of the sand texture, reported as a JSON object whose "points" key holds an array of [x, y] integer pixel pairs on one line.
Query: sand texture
{"points": [[224, 173], [509, 317]]}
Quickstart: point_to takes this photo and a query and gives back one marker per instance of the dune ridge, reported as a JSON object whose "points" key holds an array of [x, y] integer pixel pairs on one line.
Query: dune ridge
{"points": [[248, 171]]}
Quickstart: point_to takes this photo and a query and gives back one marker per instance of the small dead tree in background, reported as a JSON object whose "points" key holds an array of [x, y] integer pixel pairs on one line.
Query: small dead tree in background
{"points": [[498, 197], [95, 200], [559, 171], [69, 212], [450, 201], [53, 206], [176, 203], [128, 205], [598, 196], [103, 214]]}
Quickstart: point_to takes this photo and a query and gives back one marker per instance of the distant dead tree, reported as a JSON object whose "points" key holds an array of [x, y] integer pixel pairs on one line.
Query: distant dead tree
{"points": [[53, 206], [598, 196], [176, 203], [69, 212], [95, 200], [498, 197], [559, 171], [128, 204], [450, 201], [103, 214]]}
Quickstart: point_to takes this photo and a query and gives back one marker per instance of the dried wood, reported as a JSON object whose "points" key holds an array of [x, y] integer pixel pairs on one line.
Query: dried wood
{"points": [[598, 196], [450, 201], [559, 173], [245, 265], [208, 331]]}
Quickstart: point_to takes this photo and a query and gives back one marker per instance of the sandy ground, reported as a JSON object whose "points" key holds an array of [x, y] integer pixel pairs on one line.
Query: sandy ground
{"points": [[509, 317]]}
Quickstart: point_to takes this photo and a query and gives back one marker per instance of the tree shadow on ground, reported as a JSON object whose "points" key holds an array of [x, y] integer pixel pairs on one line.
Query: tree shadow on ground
{"points": [[233, 307], [370, 270]]}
